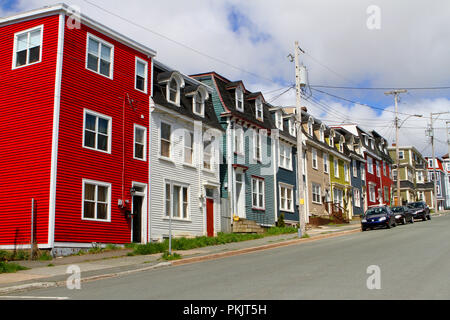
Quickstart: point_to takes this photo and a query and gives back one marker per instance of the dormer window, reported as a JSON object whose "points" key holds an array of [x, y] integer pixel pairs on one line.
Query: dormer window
{"points": [[259, 108], [322, 134], [332, 139], [239, 99], [199, 104], [310, 127], [173, 91], [174, 82], [366, 140], [292, 130], [279, 120], [341, 145]]}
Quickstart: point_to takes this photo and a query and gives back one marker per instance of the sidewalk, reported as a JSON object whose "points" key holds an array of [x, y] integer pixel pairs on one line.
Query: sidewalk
{"points": [[116, 263]]}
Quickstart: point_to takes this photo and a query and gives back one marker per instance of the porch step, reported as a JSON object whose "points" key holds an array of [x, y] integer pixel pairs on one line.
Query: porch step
{"points": [[246, 226]]}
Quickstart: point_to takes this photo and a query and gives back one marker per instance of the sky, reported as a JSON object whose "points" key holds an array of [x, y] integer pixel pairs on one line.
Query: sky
{"points": [[403, 43]]}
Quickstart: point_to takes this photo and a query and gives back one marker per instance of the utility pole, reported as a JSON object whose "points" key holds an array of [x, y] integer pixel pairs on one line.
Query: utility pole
{"points": [[299, 83], [397, 150], [434, 163]]}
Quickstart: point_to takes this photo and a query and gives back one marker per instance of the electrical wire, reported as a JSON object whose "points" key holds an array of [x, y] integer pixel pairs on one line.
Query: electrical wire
{"points": [[381, 88]]}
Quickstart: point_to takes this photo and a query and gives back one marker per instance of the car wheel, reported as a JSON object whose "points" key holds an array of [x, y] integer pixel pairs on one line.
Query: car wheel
{"points": [[404, 221], [424, 218], [388, 225], [412, 219], [394, 224], [364, 229], [429, 217]]}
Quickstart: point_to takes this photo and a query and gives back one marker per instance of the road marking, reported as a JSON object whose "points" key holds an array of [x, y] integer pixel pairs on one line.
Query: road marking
{"points": [[32, 297]]}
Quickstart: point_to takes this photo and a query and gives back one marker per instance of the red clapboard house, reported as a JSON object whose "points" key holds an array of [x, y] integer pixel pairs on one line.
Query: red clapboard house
{"points": [[75, 123]]}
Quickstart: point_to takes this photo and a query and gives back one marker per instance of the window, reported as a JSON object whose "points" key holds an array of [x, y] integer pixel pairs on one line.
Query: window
{"points": [[239, 99], [208, 153], [258, 193], [325, 163], [363, 172], [357, 197], [322, 133], [355, 168], [140, 138], [341, 146], [199, 104], [259, 108], [386, 194], [292, 130], [331, 139], [141, 75], [372, 194], [257, 148], [238, 139], [279, 120], [174, 95], [314, 158], [336, 168], [401, 155], [177, 201], [188, 147], [394, 174], [97, 131], [369, 165], [419, 176], [285, 156], [165, 134], [310, 127], [378, 168], [385, 168], [96, 200], [316, 194], [430, 163], [346, 172], [27, 47], [410, 174], [99, 56], [286, 198]]}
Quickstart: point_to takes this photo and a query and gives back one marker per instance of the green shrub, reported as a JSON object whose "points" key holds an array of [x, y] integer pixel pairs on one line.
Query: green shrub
{"points": [[173, 256], [44, 256], [8, 267], [280, 222]]}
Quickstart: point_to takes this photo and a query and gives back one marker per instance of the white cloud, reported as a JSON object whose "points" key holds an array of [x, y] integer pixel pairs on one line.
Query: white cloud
{"points": [[411, 49]]}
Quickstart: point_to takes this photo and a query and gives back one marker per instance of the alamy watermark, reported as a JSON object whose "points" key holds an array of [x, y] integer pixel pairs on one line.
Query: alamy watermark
{"points": [[374, 280], [74, 17], [374, 19], [73, 282]]}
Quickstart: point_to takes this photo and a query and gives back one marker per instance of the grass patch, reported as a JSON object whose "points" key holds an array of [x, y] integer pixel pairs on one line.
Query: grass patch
{"points": [[8, 267], [45, 256], [168, 257], [199, 242], [306, 236], [50, 265]]}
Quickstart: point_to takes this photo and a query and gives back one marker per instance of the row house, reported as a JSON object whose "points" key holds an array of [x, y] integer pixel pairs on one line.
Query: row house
{"points": [[437, 172], [386, 162], [247, 172], [285, 165], [413, 174], [185, 139], [81, 94], [446, 165]]}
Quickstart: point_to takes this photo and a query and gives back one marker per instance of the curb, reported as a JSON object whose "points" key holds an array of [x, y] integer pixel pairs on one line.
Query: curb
{"points": [[43, 285], [260, 248]]}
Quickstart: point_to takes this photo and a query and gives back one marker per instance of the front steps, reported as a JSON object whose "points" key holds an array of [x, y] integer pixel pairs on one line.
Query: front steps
{"points": [[246, 226]]}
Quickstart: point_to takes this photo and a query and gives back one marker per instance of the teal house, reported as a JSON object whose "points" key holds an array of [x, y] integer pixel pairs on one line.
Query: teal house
{"points": [[247, 168]]}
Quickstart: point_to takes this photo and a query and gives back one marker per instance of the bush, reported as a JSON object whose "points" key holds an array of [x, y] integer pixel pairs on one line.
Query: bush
{"points": [[280, 222], [44, 256], [173, 256], [6, 267]]}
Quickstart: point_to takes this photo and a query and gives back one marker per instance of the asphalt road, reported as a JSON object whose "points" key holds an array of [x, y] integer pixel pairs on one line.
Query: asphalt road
{"points": [[414, 262]]}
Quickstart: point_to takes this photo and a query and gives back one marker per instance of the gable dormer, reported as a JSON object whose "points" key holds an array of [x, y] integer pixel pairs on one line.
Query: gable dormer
{"points": [[341, 144], [322, 133], [258, 100], [331, 138], [173, 81], [199, 95], [310, 126], [237, 87], [279, 121]]}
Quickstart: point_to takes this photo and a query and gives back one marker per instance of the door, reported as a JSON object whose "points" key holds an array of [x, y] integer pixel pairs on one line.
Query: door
{"points": [[137, 218], [240, 195], [210, 212]]}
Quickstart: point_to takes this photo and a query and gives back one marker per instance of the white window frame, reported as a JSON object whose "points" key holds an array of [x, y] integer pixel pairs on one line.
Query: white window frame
{"points": [[16, 36], [284, 197], [208, 155], [102, 43], [377, 167], [192, 148], [363, 171], [96, 183], [336, 168], [202, 104], [257, 144], [97, 115], [238, 137], [369, 165], [170, 140], [331, 139], [346, 172], [259, 109], [314, 160], [137, 126], [181, 202], [292, 129], [258, 193], [310, 127], [372, 192], [355, 169], [146, 75], [285, 156], [322, 134], [326, 163], [279, 120], [316, 191], [401, 155], [239, 96], [356, 197]]}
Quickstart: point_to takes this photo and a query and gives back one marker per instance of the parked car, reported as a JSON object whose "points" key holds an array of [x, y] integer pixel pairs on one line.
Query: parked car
{"points": [[420, 210], [403, 214], [378, 216]]}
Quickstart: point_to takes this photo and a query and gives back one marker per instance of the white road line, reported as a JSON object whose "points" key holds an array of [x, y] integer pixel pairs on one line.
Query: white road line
{"points": [[32, 297]]}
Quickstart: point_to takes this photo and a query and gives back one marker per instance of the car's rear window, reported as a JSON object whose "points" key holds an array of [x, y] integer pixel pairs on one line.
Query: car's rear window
{"points": [[397, 209]]}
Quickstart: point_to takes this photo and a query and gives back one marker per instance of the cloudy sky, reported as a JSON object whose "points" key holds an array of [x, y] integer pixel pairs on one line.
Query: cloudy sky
{"points": [[250, 40]]}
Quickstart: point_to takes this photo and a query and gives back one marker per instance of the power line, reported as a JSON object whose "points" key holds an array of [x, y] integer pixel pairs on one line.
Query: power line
{"points": [[380, 88]]}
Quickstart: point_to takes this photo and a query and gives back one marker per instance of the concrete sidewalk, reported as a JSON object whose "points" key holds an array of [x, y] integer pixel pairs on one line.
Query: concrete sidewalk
{"points": [[116, 263]]}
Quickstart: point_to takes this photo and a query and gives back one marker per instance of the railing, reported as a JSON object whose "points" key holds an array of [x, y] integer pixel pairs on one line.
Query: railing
{"points": [[336, 211]]}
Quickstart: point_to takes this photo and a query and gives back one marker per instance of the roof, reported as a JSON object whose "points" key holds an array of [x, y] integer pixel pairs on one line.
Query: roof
{"points": [[186, 107], [63, 8]]}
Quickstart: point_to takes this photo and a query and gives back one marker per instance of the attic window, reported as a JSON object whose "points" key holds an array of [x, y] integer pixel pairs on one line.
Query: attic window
{"points": [[279, 120], [331, 139], [341, 145], [199, 104], [239, 99], [310, 127], [259, 109], [292, 130], [322, 133], [174, 91]]}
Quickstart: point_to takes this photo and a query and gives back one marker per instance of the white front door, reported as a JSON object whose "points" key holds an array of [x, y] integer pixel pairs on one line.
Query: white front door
{"points": [[240, 194]]}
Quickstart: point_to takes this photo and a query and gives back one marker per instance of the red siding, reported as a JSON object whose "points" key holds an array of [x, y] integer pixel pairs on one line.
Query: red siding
{"points": [[26, 100], [372, 178], [387, 182], [82, 88]]}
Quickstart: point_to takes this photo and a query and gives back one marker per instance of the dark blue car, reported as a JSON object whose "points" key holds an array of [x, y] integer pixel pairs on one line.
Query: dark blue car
{"points": [[379, 216]]}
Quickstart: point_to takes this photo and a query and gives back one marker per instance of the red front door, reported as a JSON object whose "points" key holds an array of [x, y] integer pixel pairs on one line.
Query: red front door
{"points": [[210, 217]]}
